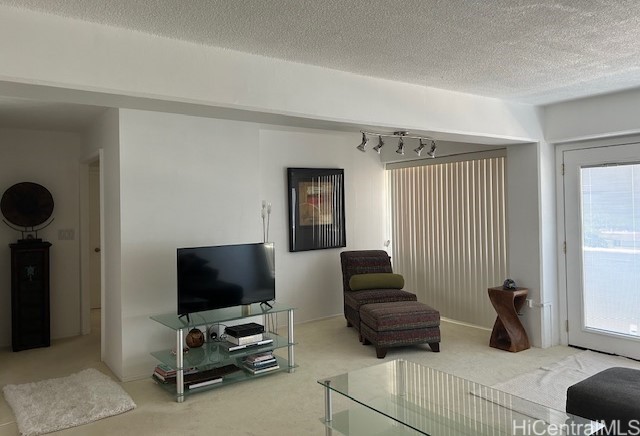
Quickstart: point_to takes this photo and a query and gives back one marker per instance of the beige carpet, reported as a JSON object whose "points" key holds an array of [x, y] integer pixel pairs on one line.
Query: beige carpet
{"points": [[59, 403], [289, 404], [548, 384]]}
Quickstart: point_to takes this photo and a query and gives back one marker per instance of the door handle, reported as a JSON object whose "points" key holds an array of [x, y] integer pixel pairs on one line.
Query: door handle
{"points": [[97, 249]]}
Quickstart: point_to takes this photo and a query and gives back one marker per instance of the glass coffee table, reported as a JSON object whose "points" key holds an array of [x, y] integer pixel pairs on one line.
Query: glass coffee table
{"points": [[405, 398]]}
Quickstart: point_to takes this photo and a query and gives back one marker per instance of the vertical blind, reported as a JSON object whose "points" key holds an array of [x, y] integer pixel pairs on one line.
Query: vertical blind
{"points": [[448, 234]]}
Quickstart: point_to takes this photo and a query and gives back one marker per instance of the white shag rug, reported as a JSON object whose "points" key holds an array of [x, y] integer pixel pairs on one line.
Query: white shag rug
{"points": [[548, 384], [59, 403]]}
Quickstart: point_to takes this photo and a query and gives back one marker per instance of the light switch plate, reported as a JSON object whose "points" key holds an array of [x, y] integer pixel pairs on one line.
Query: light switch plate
{"points": [[66, 234]]}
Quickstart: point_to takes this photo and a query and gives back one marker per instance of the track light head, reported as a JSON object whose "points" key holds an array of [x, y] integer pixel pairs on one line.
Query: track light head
{"points": [[420, 148], [400, 149], [432, 151], [363, 145], [378, 147]]}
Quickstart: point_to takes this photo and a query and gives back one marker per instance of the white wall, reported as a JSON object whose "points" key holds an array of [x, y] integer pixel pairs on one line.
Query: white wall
{"points": [[312, 281], [532, 240], [602, 116], [51, 160], [189, 181], [548, 307], [524, 230]]}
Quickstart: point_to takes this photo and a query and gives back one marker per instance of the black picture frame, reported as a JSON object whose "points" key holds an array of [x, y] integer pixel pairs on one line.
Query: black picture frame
{"points": [[316, 208]]}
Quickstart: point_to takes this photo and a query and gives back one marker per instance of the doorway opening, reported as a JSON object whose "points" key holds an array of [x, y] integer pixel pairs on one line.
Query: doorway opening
{"points": [[92, 263]]}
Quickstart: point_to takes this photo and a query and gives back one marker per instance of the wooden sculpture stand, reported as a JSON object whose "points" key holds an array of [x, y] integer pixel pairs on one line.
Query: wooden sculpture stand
{"points": [[508, 333]]}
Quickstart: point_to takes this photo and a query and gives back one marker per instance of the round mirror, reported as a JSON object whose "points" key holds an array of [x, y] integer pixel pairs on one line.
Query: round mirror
{"points": [[26, 204]]}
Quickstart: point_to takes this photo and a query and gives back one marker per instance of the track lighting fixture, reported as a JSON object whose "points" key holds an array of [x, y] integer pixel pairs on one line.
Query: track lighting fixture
{"points": [[402, 136], [432, 152], [378, 147], [363, 145]]}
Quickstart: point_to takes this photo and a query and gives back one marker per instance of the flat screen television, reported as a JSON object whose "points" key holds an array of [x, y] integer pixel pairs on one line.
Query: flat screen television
{"points": [[224, 276]]}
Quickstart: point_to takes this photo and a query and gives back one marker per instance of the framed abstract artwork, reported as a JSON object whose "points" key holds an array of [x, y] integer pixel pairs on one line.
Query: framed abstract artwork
{"points": [[316, 208]]}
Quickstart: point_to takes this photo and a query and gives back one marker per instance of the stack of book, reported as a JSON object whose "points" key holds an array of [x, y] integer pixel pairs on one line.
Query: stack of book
{"points": [[245, 335], [166, 374], [260, 363], [209, 376], [193, 378]]}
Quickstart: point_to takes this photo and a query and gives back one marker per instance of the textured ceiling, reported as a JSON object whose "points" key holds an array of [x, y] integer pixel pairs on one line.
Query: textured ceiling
{"points": [[529, 51]]}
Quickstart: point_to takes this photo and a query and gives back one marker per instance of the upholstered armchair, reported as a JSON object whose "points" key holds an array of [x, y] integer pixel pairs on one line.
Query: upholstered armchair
{"points": [[368, 262]]}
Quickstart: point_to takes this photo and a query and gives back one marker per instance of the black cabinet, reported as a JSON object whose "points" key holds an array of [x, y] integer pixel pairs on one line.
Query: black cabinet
{"points": [[30, 326]]}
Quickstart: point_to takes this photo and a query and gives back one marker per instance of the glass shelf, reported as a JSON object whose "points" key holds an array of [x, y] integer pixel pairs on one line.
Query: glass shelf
{"points": [[235, 377], [218, 316], [214, 353]]}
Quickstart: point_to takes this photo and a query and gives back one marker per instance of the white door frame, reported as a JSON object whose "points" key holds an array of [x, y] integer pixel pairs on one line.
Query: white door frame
{"points": [[85, 246], [560, 220], [94, 236]]}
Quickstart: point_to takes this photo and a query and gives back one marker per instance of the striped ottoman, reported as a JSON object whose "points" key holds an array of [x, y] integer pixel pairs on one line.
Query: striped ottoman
{"points": [[399, 323]]}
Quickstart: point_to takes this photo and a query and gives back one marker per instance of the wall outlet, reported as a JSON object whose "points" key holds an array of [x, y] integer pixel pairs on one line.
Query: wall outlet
{"points": [[66, 234]]}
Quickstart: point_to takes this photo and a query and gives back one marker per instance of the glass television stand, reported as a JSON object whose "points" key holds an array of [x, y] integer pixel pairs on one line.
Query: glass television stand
{"points": [[214, 354]]}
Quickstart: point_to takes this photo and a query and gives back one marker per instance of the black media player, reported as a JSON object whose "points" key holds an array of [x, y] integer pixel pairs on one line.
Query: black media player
{"points": [[241, 330]]}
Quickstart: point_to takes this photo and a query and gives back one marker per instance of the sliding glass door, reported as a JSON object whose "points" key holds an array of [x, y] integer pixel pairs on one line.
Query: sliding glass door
{"points": [[602, 226]]}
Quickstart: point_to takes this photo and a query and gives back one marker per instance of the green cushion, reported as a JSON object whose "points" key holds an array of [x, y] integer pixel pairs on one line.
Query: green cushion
{"points": [[358, 282]]}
